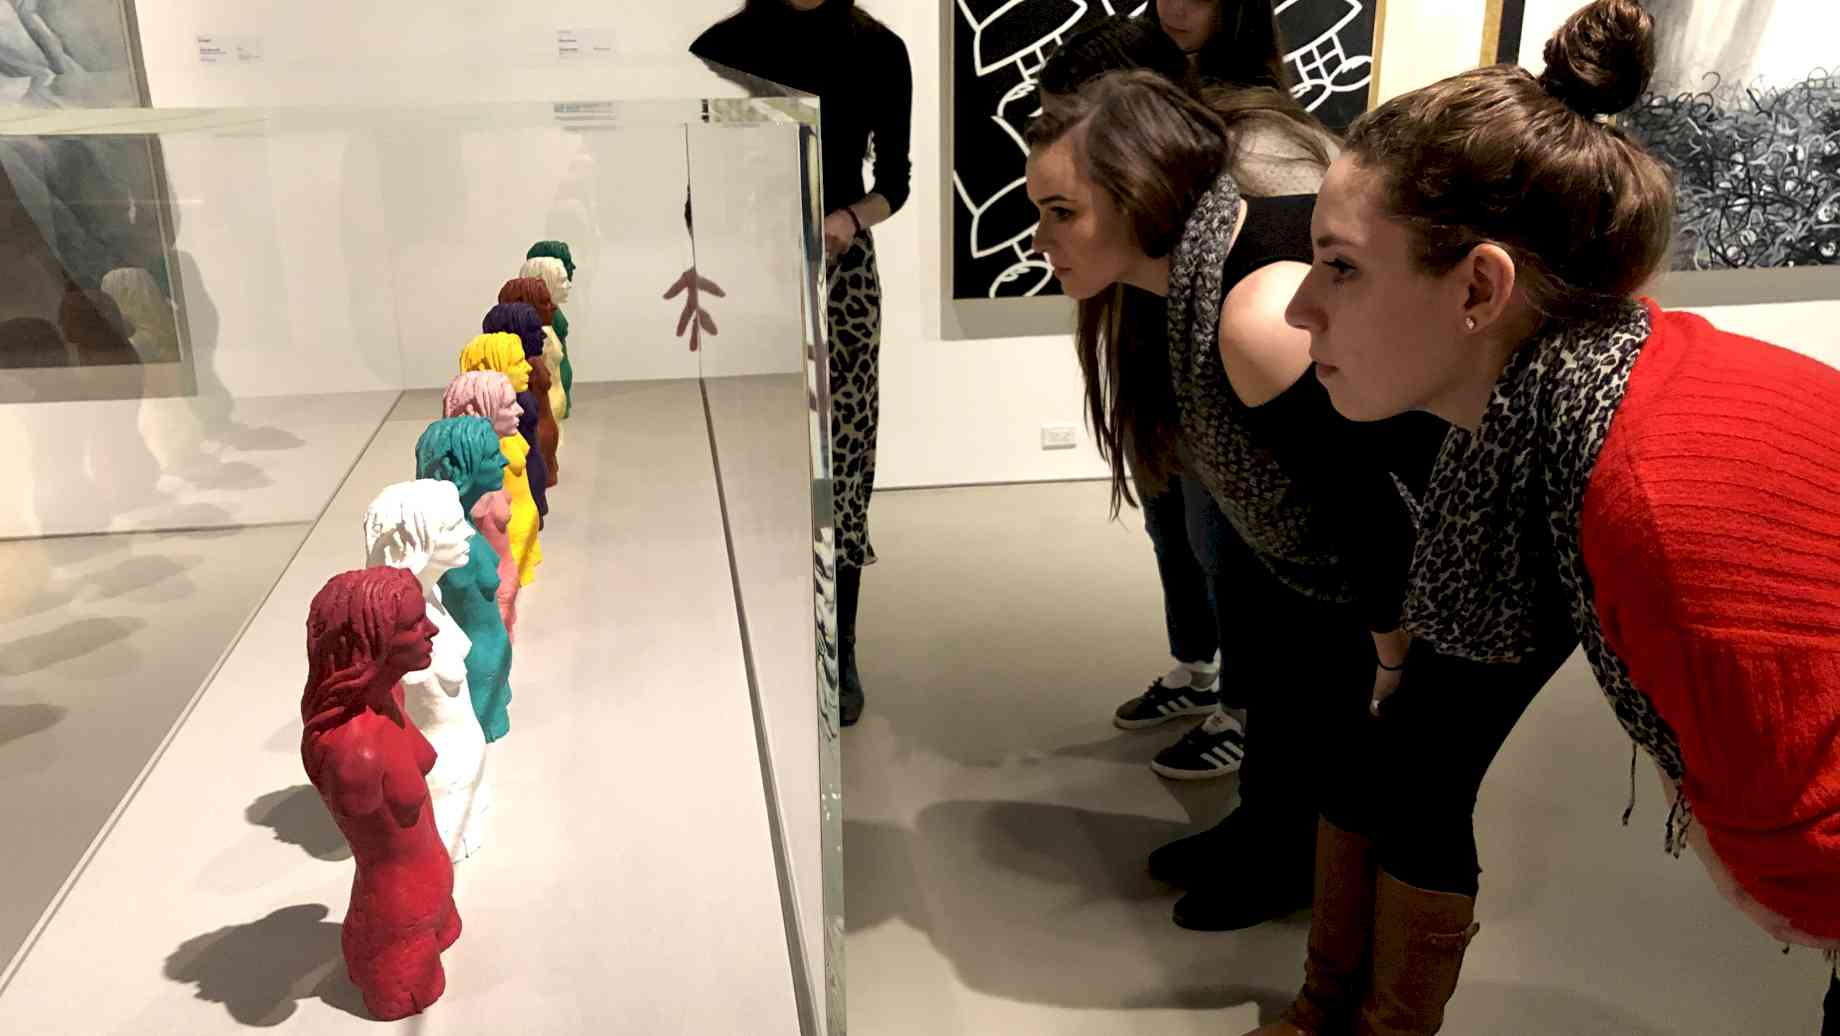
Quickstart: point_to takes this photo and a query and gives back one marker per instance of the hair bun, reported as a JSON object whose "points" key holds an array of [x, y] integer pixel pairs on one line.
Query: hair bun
{"points": [[1600, 60]]}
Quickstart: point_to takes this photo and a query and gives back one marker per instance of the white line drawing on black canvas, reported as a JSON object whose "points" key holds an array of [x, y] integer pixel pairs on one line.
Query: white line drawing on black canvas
{"points": [[1323, 66], [1012, 39], [997, 43], [1004, 42]]}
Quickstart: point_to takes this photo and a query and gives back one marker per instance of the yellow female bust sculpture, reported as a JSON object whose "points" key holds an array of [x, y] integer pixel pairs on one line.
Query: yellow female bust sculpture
{"points": [[502, 355]]}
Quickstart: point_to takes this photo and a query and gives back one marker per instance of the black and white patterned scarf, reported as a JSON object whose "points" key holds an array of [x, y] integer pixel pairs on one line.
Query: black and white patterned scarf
{"points": [[1499, 528], [1253, 491]]}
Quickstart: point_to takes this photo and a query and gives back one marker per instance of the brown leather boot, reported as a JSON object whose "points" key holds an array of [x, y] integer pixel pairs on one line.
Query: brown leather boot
{"points": [[1341, 930], [1419, 940]]}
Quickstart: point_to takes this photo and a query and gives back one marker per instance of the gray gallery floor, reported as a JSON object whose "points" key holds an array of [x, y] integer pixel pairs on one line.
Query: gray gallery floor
{"points": [[996, 823]]}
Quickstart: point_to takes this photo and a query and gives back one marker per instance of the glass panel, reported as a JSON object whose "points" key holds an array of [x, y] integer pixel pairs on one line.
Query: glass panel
{"points": [[222, 332], [764, 377]]}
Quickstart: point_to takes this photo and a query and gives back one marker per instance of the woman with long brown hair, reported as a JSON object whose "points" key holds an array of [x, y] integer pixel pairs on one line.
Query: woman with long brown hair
{"points": [[1624, 477], [1133, 178], [1277, 149]]}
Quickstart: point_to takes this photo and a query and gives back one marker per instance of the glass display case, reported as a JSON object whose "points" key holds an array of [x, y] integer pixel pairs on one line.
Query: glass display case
{"points": [[223, 334]]}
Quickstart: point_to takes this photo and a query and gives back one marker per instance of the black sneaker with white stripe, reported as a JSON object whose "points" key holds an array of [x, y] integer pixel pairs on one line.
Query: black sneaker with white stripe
{"points": [[1163, 702], [1213, 749]]}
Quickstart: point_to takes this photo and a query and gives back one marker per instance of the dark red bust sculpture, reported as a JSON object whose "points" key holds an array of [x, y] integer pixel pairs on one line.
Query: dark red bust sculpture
{"points": [[367, 760]]}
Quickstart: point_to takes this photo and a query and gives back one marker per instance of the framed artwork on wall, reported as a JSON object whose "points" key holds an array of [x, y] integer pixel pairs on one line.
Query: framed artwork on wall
{"points": [[994, 284], [1745, 107], [91, 301]]}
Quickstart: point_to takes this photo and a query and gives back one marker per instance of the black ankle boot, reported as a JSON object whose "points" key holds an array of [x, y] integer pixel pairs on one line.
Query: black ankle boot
{"points": [[849, 682], [1247, 897], [1195, 859], [1248, 869]]}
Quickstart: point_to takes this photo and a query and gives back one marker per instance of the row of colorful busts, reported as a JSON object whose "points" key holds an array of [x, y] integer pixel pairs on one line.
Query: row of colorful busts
{"points": [[409, 659]]}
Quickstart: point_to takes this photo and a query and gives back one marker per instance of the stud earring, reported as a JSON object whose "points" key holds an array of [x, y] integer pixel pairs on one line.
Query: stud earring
{"points": [[1469, 323]]}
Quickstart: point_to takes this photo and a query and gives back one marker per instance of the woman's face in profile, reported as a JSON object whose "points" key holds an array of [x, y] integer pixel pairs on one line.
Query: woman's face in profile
{"points": [[1082, 231]]}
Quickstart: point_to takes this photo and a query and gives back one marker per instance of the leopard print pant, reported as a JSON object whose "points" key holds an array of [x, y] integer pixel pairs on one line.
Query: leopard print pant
{"points": [[855, 310]]}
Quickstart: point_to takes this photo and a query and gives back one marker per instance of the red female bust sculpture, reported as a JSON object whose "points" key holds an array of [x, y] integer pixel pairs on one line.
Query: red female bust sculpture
{"points": [[367, 760]]}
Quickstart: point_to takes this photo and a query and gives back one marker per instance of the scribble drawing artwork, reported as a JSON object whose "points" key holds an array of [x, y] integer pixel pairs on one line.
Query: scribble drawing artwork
{"points": [[1759, 172], [1745, 106], [999, 49]]}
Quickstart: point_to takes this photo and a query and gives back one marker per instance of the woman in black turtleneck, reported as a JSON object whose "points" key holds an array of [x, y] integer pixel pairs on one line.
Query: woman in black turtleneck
{"points": [[859, 70]]}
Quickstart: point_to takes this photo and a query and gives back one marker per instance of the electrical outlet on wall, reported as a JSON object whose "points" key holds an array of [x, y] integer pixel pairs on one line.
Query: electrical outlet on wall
{"points": [[1059, 437]]}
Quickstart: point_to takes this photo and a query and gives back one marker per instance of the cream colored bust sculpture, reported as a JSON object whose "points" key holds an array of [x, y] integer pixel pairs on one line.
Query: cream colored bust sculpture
{"points": [[556, 278], [419, 526]]}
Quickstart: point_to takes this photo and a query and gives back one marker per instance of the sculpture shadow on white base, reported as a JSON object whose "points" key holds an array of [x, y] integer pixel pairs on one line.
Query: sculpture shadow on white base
{"points": [[298, 817], [260, 971]]}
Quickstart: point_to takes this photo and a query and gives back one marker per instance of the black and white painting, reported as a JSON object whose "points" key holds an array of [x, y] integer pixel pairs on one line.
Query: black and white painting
{"points": [[999, 47], [1745, 105], [86, 277]]}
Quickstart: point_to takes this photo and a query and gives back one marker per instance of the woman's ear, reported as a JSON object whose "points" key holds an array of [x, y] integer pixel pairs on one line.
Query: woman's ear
{"points": [[1490, 274]]}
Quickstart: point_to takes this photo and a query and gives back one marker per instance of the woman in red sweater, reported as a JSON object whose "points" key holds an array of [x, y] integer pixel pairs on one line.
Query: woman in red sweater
{"points": [[1674, 488]]}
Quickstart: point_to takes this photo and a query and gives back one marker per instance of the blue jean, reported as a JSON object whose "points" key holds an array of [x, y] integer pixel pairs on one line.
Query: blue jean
{"points": [[1191, 536]]}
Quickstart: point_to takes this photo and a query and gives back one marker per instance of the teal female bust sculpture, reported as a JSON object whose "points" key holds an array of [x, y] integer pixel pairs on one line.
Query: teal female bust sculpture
{"points": [[464, 451]]}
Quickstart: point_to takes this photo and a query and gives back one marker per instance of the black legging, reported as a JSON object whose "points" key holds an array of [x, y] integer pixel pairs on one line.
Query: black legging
{"points": [[1307, 667], [1409, 778], [1831, 1027]]}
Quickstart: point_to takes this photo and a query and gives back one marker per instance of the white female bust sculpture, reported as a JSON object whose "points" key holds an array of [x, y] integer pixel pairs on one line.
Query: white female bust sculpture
{"points": [[419, 526]]}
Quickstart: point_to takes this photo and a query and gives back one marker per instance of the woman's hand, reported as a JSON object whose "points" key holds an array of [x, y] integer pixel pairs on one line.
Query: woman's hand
{"points": [[1390, 649], [839, 231], [1385, 683]]}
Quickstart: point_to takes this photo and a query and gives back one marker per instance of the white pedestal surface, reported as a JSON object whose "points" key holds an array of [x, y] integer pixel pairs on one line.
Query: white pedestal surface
{"points": [[629, 885]]}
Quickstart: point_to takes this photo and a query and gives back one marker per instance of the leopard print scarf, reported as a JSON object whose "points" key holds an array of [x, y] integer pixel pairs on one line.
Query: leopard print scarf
{"points": [[1253, 491], [1498, 568]]}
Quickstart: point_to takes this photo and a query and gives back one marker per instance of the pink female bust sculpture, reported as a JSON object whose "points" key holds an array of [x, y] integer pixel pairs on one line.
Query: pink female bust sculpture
{"points": [[367, 760], [489, 394]]}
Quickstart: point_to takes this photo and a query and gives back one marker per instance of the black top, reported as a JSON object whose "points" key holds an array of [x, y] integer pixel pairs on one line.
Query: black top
{"points": [[1274, 230], [1341, 474], [857, 67]]}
